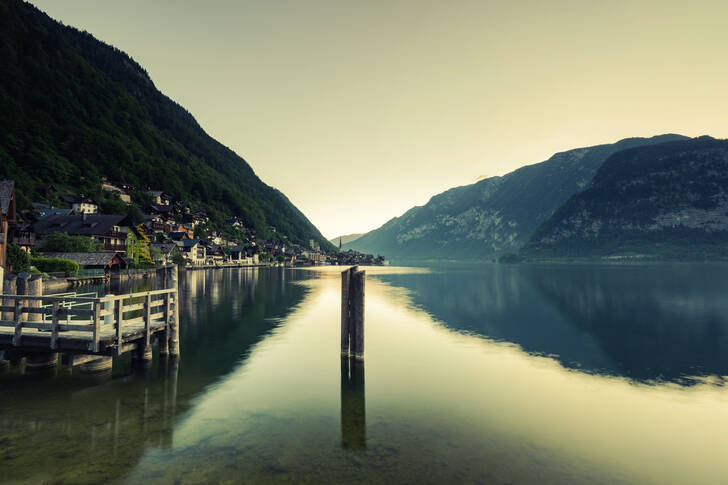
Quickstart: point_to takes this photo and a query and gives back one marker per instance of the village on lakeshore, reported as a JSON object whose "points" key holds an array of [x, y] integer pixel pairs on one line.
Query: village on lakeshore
{"points": [[73, 236]]}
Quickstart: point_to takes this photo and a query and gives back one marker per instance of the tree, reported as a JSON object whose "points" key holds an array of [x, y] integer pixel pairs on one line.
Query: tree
{"points": [[110, 203], [18, 259], [63, 243]]}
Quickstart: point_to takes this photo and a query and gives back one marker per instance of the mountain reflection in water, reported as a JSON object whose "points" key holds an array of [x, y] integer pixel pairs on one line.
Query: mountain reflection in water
{"points": [[651, 322]]}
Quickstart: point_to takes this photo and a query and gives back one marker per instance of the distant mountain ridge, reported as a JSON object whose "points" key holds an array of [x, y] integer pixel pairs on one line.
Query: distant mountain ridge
{"points": [[496, 215], [345, 239], [75, 108], [667, 201]]}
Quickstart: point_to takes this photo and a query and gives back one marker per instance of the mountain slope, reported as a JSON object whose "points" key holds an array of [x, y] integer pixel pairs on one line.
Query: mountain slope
{"points": [[667, 201], [345, 239], [493, 216], [74, 108]]}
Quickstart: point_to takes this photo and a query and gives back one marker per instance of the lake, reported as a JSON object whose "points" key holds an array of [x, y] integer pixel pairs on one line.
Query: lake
{"points": [[522, 374]]}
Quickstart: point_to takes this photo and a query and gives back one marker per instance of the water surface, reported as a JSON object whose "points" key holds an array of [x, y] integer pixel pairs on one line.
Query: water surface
{"points": [[485, 374]]}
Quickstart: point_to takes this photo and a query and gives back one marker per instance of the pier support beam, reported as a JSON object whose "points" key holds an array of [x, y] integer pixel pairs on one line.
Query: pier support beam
{"points": [[5, 288], [40, 360], [11, 288], [352, 312], [172, 283]]}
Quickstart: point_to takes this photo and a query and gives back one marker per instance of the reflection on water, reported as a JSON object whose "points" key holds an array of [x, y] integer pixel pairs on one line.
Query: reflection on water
{"points": [[262, 394], [353, 403], [645, 322], [67, 426]]}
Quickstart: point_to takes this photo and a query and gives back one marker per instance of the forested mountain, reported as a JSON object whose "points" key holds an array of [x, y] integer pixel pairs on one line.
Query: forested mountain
{"points": [[74, 109], [493, 216], [668, 201]]}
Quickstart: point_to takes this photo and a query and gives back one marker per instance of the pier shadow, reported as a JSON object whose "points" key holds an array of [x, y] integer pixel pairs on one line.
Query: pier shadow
{"points": [[353, 404]]}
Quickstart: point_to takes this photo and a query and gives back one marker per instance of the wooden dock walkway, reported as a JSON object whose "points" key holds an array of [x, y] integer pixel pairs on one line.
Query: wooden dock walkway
{"points": [[89, 327]]}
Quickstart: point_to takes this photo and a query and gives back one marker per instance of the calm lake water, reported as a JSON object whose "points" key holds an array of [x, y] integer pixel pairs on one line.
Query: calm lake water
{"points": [[480, 374]]}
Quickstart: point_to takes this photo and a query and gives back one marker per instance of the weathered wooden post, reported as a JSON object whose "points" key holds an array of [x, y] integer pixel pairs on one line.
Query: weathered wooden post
{"points": [[11, 288], [352, 312], [22, 289], [41, 360], [143, 351], [345, 282], [172, 282]]}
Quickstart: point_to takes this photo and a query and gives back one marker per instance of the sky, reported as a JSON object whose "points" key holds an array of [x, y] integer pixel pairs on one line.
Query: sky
{"points": [[360, 110]]}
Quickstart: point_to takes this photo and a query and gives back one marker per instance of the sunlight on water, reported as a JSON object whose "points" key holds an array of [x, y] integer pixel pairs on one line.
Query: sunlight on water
{"points": [[264, 400]]}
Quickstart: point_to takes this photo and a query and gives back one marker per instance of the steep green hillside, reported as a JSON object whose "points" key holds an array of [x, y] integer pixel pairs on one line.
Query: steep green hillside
{"points": [[74, 108], [494, 216], [668, 201]]}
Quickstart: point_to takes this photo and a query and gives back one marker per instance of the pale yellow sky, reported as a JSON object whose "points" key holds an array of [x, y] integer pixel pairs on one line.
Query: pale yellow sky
{"points": [[359, 110]]}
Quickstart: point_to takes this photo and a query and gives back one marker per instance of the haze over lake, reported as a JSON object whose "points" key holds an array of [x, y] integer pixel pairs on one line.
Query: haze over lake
{"points": [[472, 374]]}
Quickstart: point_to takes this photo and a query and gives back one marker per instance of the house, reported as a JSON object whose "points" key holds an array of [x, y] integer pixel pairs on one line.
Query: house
{"points": [[192, 251], [243, 255], [42, 212], [170, 229], [178, 236], [118, 188], [81, 204], [106, 260], [7, 215], [166, 212], [109, 229], [22, 233], [159, 197], [215, 254]]}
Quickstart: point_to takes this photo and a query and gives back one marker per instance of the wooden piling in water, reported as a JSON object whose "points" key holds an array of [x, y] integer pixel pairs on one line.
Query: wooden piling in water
{"points": [[11, 288], [352, 312], [39, 360], [174, 327]]}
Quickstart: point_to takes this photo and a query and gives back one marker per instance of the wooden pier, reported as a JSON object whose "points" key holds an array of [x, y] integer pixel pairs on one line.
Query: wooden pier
{"points": [[85, 328]]}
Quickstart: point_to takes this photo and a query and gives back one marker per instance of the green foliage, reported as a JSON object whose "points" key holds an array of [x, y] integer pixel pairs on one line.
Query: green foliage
{"points": [[155, 253], [74, 108], [18, 259], [200, 232], [178, 259], [111, 203], [134, 214], [61, 242], [55, 265]]}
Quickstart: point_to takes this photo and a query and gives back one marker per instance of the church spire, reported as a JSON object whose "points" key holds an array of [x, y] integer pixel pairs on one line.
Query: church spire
{"points": [[339, 243]]}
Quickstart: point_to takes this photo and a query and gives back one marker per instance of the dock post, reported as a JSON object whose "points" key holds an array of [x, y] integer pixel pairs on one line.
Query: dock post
{"points": [[352, 312], [174, 330], [11, 288], [357, 314], [345, 282], [41, 360]]}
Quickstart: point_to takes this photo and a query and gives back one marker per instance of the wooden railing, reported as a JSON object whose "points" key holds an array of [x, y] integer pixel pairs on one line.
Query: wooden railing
{"points": [[139, 314]]}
